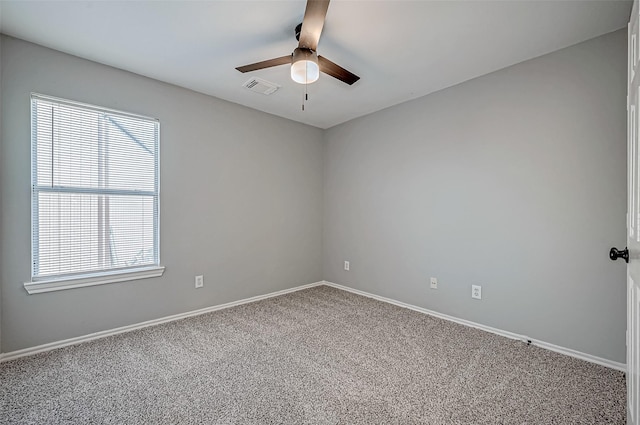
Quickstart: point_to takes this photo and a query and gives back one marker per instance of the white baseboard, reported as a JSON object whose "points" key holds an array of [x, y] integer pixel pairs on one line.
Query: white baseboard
{"points": [[102, 334], [552, 347]]}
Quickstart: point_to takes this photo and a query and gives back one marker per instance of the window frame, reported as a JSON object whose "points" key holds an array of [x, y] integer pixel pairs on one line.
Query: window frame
{"points": [[48, 283]]}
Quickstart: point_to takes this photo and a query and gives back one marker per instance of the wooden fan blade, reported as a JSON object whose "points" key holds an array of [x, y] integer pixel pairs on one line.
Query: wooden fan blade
{"points": [[312, 23], [265, 64], [336, 71]]}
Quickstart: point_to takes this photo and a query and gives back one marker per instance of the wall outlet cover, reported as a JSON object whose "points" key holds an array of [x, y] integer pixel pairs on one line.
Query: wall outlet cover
{"points": [[476, 292], [199, 281], [433, 282]]}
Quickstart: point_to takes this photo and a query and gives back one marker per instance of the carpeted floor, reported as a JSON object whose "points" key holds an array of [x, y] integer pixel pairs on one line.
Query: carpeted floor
{"points": [[318, 356]]}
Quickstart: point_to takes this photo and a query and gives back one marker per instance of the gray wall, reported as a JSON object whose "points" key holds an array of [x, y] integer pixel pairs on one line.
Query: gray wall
{"points": [[241, 200], [514, 181]]}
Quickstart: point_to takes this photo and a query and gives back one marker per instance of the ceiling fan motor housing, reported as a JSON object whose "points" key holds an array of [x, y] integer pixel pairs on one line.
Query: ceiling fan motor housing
{"points": [[302, 53]]}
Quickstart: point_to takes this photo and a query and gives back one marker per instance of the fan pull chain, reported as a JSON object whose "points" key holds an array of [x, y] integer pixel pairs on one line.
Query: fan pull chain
{"points": [[306, 94]]}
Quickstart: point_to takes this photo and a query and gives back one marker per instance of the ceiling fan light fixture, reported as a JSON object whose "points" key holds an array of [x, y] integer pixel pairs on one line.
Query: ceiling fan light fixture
{"points": [[304, 66]]}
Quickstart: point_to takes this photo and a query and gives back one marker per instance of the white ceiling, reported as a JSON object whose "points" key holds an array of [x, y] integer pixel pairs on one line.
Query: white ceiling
{"points": [[400, 49]]}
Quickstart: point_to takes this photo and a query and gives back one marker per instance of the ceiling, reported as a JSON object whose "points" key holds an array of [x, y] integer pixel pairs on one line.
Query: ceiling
{"points": [[400, 49]]}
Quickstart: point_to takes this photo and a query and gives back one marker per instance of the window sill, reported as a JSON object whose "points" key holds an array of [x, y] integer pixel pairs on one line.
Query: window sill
{"points": [[50, 285]]}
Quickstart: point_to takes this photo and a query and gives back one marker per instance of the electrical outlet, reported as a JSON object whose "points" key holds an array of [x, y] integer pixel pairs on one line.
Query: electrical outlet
{"points": [[434, 283], [346, 265], [199, 281], [476, 292]]}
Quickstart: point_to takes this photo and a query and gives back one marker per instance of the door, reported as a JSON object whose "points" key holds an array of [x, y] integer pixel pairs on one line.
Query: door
{"points": [[633, 225]]}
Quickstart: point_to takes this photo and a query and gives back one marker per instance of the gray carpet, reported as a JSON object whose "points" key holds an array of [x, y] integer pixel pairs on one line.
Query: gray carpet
{"points": [[318, 356]]}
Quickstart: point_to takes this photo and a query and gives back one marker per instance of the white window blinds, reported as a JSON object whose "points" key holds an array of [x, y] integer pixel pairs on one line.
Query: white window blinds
{"points": [[94, 189]]}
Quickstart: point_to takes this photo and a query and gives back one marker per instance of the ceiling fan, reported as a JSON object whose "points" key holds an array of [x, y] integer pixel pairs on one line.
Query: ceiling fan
{"points": [[306, 65]]}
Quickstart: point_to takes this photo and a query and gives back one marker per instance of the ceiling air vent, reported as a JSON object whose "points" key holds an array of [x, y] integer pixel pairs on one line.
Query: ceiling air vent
{"points": [[259, 85]]}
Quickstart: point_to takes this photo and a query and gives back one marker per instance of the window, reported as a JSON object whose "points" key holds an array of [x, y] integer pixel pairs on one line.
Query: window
{"points": [[94, 206]]}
